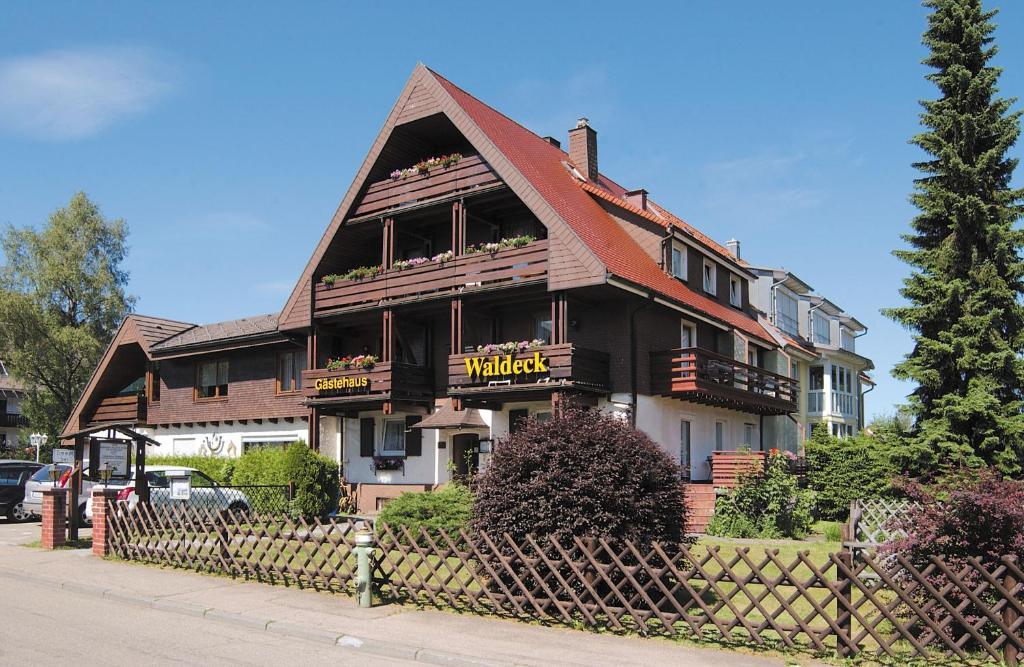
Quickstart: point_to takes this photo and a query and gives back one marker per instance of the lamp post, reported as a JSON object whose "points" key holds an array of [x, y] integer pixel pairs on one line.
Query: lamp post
{"points": [[36, 441], [105, 473], [54, 474]]}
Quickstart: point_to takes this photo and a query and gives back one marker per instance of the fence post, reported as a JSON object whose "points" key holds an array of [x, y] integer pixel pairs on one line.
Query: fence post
{"points": [[101, 521], [291, 490], [55, 522], [364, 569], [1010, 652], [844, 601]]}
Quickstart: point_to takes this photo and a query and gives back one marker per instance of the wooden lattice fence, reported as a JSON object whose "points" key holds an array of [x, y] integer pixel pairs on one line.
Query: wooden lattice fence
{"points": [[875, 521], [854, 608]]}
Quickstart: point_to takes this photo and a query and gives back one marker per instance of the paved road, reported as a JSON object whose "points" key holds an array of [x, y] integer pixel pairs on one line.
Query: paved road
{"points": [[48, 626], [67, 606]]}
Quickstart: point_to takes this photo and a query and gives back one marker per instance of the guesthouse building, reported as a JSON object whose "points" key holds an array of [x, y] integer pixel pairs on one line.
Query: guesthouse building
{"points": [[474, 275]]}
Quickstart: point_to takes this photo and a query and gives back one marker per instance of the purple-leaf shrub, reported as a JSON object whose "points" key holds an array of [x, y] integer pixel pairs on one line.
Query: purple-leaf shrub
{"points": [[968, 513], [582, 473]]}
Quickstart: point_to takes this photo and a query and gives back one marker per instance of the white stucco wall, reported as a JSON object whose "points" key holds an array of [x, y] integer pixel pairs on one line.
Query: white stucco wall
{"points": [[222, 440]]}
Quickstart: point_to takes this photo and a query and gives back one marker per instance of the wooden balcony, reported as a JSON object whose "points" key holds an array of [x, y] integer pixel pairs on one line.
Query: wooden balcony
{"points": [[386, 381], [698, 375], [12, 420], [464, 274], [566, 366], [124, 409], [388, 195]]}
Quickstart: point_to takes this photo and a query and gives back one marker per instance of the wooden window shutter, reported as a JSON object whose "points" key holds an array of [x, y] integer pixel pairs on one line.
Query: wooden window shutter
{"points": [[413, 437], [366, 437]]}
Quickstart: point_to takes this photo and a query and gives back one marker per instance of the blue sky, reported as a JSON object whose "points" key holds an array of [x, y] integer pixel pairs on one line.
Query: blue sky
{"points": [[225, 134]]}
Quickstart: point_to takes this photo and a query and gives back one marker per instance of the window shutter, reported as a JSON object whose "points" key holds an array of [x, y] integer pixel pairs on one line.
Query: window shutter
{"points": [[366, 437], [413, 437]]}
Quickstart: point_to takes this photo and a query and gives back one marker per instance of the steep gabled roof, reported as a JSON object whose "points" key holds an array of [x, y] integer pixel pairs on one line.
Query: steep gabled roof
{"points": [[143, 330], [537, 172], [542, 165]]}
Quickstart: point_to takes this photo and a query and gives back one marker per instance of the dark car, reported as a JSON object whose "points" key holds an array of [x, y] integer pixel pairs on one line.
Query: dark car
{"points": [[13, 475]]}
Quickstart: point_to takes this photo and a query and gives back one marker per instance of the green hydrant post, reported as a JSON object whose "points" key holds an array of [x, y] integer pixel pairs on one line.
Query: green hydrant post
{"points": [[364, 581]]}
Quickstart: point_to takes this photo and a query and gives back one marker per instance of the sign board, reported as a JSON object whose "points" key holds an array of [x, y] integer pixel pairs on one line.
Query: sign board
{"points": [[64, 456], [505, 367], [114, 455], [354, 384], [181, 487]]}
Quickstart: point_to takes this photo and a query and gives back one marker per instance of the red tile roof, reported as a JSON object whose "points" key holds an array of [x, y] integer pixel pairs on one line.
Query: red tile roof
{"points": [[542, 165]]}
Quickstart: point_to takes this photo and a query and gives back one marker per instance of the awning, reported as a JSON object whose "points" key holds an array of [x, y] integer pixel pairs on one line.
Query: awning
{"points": [[448, 417]]}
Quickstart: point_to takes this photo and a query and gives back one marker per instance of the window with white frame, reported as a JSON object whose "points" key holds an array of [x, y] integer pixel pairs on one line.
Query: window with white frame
{"points": [[847, 339], [678, 262], [786, 312], [735, 291], [687, 334], [710, 277], [684, 447], [394, 437], [719, 436], [822, 329], [749, 435]]}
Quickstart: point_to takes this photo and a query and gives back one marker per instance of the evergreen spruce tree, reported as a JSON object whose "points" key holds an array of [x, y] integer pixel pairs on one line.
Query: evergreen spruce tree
{"points": [[965, 289]]}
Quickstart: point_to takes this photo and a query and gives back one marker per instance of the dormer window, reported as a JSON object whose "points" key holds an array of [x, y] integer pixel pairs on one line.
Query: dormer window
{"points": [[678, 262], [786, 313], [822, 329], [710, 278], [735, 292]]}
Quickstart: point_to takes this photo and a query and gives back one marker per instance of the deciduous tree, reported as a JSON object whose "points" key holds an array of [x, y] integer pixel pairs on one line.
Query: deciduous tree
{"points": [[62, 297]]}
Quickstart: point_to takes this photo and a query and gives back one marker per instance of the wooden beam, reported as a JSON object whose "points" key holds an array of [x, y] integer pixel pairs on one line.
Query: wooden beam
{"points": [[289, 419], [272, 420], [257, 421], [243, 421]]}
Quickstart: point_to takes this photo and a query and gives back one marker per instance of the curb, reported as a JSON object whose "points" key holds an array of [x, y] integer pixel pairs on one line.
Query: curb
{"points": [[285, 629]]}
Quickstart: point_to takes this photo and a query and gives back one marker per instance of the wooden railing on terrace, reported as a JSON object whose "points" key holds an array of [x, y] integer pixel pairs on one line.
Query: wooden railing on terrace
{"points": [[567, 364], [120, 409], [698, 375], [385, 381], [465, 273], [469, 173]]}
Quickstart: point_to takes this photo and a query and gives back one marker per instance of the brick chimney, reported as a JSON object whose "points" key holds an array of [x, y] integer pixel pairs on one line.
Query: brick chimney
{"points": [[637, 198], [583, 148], [734, 247]]}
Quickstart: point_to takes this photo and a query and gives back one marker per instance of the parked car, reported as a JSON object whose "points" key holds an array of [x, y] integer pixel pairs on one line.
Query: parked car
{"points": [[205, 494], [13, 477], [42, 481]]}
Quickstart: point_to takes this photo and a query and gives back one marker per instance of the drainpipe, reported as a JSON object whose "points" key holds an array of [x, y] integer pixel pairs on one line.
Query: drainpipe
{"points": [[632, 359], [860, 407]]}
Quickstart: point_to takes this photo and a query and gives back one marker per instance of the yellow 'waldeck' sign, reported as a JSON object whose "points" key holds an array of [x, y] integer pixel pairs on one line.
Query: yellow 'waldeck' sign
{"points": [[497, 366], [332, 384]]}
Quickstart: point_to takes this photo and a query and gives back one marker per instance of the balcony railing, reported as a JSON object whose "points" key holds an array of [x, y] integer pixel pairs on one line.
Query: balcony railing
{"points": [[844, 404], [11, 420], [120, 409], [386, 381], [563, 366], [465, 273], [469, 173], [697, 375]]}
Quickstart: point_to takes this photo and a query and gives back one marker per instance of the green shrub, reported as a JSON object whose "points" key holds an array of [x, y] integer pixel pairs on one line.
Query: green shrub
{"points": [[315, 476], [840, 470], [449, 509], [768, 504], [218, 468]]}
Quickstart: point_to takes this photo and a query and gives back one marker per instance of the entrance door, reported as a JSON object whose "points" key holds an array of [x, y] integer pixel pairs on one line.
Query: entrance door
{"points": [[466, 454]]}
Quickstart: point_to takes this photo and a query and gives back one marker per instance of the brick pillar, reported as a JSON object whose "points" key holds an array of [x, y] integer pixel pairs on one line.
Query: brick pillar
{"points": [[101, 521], [55, 519]]}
